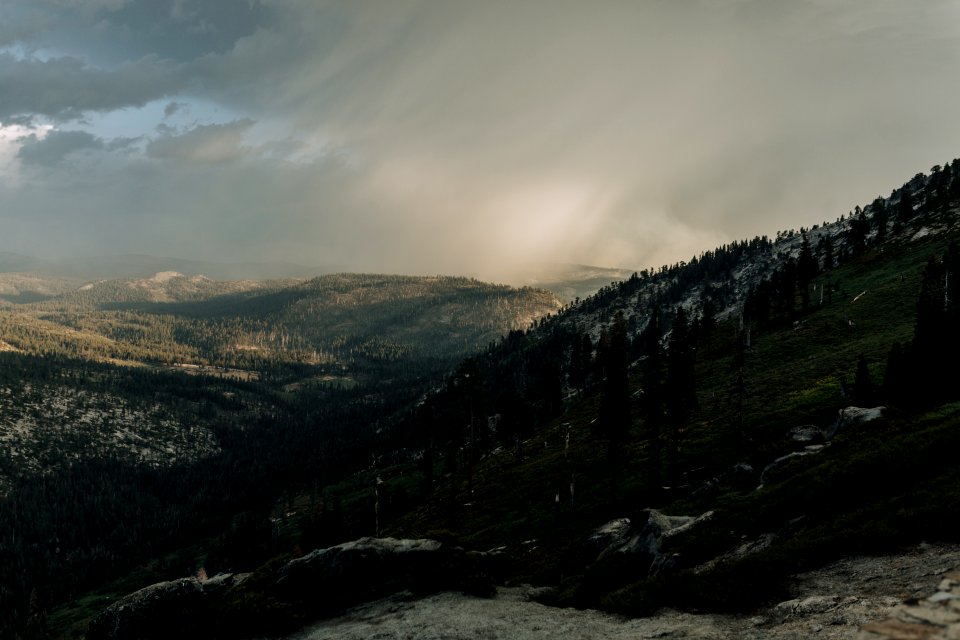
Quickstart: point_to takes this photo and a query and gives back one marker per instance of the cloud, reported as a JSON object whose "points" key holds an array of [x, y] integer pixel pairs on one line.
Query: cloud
{"points": [[473, 137], [112, 31], [206, 143], [64, 88], [689, 121], [52, 148], [86, 5], [172, 108]]}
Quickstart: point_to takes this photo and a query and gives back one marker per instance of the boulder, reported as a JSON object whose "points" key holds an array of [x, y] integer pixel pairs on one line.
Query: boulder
{"points": [[613, 534], [282, 597], [740, 475], [630, 542], [178, 608], [742, 550], [853, 416], [808, 450], [807, 433], [370, 568]]}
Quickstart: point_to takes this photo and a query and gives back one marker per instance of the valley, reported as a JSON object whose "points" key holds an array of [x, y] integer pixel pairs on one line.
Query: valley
{"points": [[691, 437], [475, 320]]}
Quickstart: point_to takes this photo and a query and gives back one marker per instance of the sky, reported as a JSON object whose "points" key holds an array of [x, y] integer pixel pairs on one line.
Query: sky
{"points": [[456, 136]]}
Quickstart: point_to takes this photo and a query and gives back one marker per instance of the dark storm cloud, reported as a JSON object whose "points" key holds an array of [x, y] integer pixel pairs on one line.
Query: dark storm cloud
{"points": [[56, 145], [110, 31], [65, 88], [102, 55]]}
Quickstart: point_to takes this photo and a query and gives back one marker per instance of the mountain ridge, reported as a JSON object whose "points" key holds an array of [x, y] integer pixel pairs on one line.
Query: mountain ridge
{"points": [[133, 265], [566, 280]]}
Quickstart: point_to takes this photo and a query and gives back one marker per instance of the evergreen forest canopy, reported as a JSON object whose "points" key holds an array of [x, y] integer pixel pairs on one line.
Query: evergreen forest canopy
{"points": [[235, 422]]}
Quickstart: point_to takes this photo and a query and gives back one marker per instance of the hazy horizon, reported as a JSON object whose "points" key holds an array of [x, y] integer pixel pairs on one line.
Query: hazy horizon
{"points": [[449, 137], [122, 266]]}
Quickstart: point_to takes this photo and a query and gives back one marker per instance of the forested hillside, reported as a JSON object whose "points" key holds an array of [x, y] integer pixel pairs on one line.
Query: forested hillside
{"points": [[719, 386], [343, 319], [144, 420]]}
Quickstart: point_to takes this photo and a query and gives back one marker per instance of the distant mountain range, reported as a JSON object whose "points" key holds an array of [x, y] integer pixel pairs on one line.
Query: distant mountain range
{"points": [[571, 281], [145, 266], [567, 281]]}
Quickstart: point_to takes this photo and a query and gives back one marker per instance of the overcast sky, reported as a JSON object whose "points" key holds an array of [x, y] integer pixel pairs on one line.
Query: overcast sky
{"points": [[460, 136]]}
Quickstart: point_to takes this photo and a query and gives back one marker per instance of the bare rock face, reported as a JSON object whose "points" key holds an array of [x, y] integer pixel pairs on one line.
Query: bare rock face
{"points": [[165, 610], [370, 568], [322, 583]]}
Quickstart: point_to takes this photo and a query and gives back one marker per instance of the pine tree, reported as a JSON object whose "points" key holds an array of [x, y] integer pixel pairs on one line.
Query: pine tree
{"points": [[896, 378], [862, 385], [937, 189], [951, 307], [857, 231], [787, 287], [586, 358], [879, 209], [935, 340], [825, 251], [680, 386], [740, 387], [929, 328], [603, 351], [759, 305], [807, 269], [708, 320], [575, 374], [615, 406], [904, 207], [653, 398]]}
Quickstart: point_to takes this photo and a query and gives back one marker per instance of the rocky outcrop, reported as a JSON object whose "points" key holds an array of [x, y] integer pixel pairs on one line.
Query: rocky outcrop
{"points": [[815, 439], [807, 434], [620, 539], [742, 550], [322, 583], [808, 450], [178, 608], [853, 416], [740, 476], [612, 535], [371, 568], [835, 602]]}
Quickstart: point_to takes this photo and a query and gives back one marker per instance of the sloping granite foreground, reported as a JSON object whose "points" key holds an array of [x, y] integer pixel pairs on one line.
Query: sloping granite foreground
{"points": [[854, 598], [936, 617]]}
